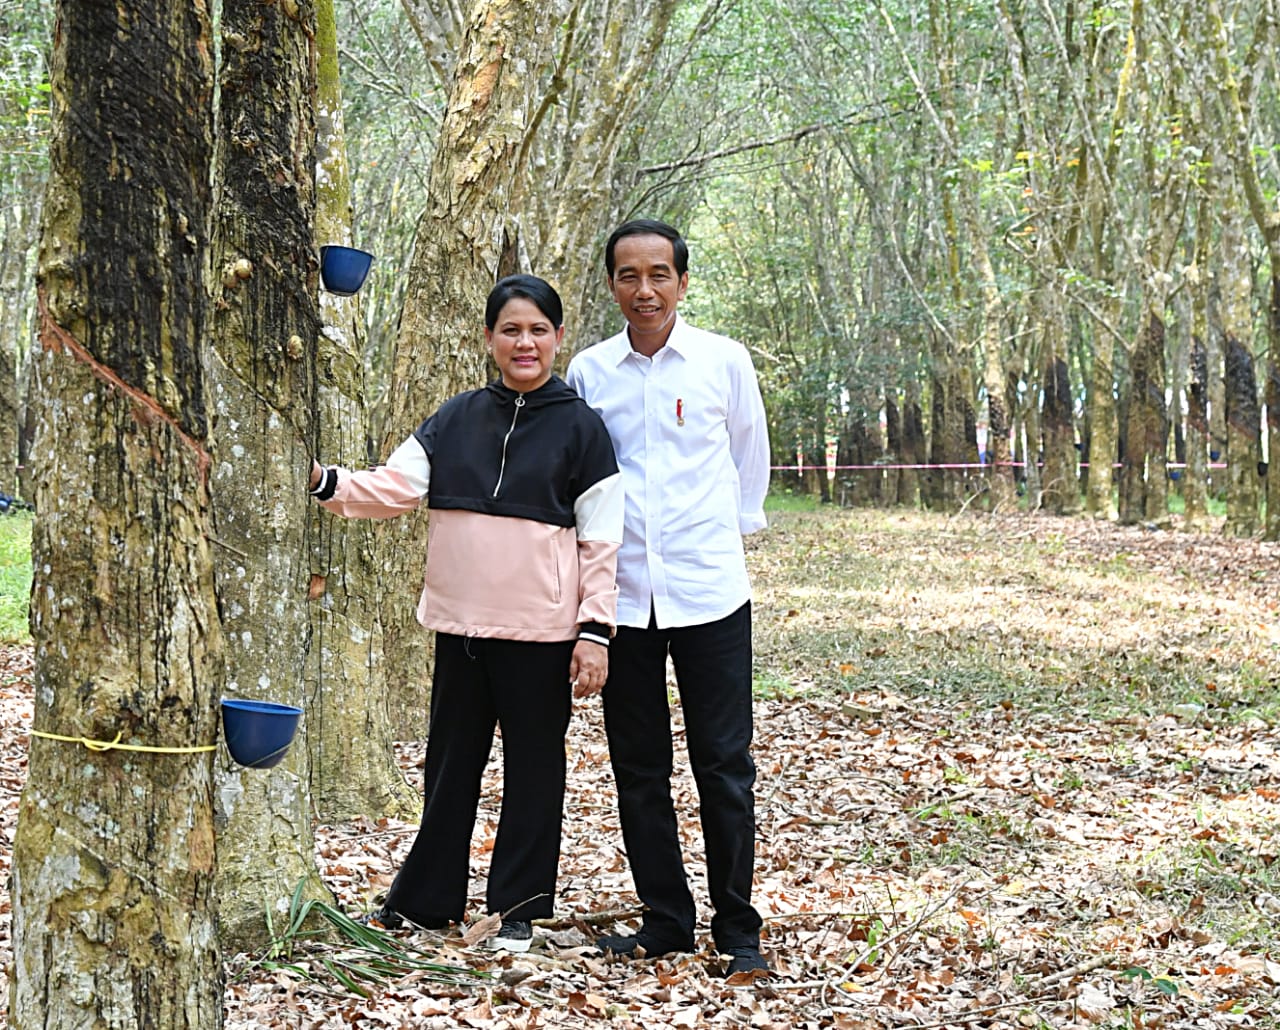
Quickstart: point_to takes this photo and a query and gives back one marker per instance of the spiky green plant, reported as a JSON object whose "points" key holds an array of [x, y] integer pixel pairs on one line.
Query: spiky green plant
{"points": [[319, 943]]}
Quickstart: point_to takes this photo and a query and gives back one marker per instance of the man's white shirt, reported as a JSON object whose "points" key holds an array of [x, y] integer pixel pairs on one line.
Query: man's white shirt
{"points": [[689, 431]]}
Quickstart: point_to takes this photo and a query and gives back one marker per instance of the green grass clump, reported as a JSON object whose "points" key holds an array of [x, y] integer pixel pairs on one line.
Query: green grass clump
{"points": [[15, 576], [790, 500]]}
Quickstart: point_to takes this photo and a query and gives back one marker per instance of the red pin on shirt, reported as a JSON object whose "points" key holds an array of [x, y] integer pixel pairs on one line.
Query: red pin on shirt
{"points": [[679, 412]]}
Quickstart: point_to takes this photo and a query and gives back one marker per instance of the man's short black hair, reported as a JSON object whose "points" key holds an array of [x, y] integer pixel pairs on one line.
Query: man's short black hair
{"points": [[649, 227]]}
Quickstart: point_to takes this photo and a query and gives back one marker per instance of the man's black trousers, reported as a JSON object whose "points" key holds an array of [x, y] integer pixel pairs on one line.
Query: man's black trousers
{"points": [[713, 671], [479, 682]]}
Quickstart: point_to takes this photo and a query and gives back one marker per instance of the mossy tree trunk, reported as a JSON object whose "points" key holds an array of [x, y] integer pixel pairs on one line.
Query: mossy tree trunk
{"points": [[1060, 478], [1195, 477], [262, 372], [466, 240], [24, 32], [1000, 473], [114, 921], [1096, 173], [353, 767], [588, 99], [1236, 86], [19, 228], [1240, 383], [913, 447], [1144, 488]]}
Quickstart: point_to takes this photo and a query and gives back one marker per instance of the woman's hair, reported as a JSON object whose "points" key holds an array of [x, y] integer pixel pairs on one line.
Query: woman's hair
{"points": [[531, 288]]}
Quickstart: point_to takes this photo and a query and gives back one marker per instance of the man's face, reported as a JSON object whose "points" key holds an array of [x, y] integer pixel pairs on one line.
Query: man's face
{"points": [[645, 284]]}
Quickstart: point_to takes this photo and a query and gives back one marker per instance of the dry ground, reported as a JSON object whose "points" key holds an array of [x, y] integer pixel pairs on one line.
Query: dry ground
{"points": [[1015, 772]]}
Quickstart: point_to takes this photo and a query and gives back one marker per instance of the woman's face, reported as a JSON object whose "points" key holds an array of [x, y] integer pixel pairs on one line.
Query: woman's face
{"points": [[524, 344]]}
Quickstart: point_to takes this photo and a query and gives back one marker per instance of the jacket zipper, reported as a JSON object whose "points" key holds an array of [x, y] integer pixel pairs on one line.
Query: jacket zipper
{"points": [[503, 467]]}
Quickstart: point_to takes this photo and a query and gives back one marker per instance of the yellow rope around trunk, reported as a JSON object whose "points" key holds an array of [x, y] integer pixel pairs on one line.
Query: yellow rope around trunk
{"points": [[115, 745]]}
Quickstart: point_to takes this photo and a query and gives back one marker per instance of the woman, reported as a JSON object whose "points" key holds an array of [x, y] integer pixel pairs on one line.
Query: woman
{"points": [[526, 518]]}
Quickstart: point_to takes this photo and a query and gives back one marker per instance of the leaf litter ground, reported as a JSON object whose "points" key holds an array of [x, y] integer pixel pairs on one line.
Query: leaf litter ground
{"points": [[1013, 772]]}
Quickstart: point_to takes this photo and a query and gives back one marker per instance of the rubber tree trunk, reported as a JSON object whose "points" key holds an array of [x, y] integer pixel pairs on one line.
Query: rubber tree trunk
{"points": [[465, 241], [1144, 492], [585, 119], [114, 920], [1195, 477], [947, 445], [19, 228], [1103, 443], [353, 766], [893, 445], [265, 328], [1271, 528], [1240, 382], [913, 447], [1060, 479], [1244, 423]]}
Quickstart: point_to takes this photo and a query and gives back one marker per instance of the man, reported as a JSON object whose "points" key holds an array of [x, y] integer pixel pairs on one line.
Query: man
{"points": [[684, 411]]}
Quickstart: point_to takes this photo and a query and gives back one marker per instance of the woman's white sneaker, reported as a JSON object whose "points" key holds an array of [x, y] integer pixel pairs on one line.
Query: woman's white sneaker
{"points": [[514, 935]]}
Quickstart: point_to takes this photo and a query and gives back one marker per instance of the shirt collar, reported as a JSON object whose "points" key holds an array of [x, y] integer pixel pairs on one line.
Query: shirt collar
{"points": [[678, 341]]}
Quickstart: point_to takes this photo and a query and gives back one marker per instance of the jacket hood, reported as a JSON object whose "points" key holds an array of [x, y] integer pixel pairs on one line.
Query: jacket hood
{"points": [[554, 391]]}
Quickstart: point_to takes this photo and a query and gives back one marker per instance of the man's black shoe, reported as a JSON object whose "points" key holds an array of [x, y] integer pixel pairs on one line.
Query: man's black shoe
{"points": [[631, 945], [745, 960]]}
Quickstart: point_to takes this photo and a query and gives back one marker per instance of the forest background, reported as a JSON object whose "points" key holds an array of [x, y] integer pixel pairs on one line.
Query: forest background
{"points": [[1018, 229], [1012, 255]]}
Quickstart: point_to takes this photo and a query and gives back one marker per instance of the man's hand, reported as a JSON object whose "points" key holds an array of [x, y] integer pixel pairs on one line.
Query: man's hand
{"points": [[588, 668], [317, 471]]}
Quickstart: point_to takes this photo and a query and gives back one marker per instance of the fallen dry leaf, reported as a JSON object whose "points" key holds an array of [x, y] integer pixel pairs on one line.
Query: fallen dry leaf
{"points": [[482, 929]]}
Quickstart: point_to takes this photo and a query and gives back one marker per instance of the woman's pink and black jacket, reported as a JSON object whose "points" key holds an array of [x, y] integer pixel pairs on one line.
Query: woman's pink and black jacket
{"points": [[526, 506]]}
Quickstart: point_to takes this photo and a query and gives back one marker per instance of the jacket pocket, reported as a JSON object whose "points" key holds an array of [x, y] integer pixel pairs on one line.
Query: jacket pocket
{"points": [[553, 555]]}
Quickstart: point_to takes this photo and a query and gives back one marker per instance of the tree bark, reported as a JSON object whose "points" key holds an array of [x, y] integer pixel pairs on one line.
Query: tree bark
{"points": [[893, 434], [353, 767], [1243, 415], [1095, 183], [1244, 423], [466, 238], [24, 30], [1060, 479], [586, 114], [114, 920], [913, 447], [1143, 479], [1000, 473], [1271, 529], [1236, 93], [1103, 438], [263, 373], [19, 228], [1194, 485], [1195, 477]]}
